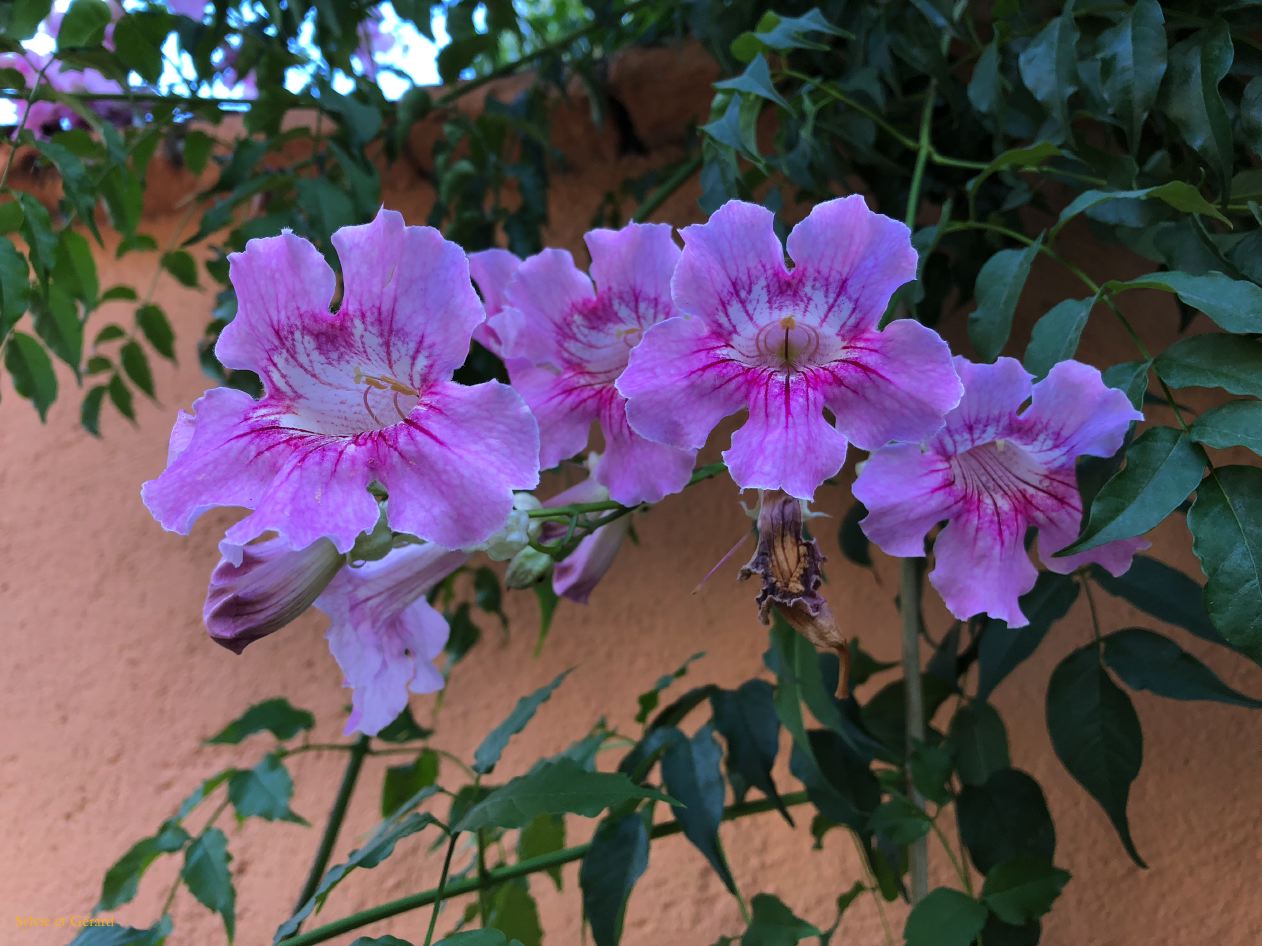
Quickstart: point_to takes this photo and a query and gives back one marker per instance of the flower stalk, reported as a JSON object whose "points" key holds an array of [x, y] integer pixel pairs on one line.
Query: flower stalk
{"points": [[337, 814]]}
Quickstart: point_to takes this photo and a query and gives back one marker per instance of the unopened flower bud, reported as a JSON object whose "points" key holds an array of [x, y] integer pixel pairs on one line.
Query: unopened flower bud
{"points": [[517, 533], [527, 567], [259, 588]]}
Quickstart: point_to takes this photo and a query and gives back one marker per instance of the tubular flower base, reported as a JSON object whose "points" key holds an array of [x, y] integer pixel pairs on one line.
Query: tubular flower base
{"points": [[384, 634], [577, 575], [359, 396], [788, 344], [993, 472], [566, 344]]}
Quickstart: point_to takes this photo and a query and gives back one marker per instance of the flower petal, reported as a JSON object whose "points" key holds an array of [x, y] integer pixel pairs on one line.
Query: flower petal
{"points": [[576, 576], [1072, 413], [786, 443], [981, 565], [634, 469], [452, 467], [1060, 529], [384, 634], [547, 288], [228, 459], [410, 288], [679, 384], [847, 263], [732, 268], [635, 263], [907, 491], [993, 394], [897, 384], [283, 288], [492, 270], [563, 405]]}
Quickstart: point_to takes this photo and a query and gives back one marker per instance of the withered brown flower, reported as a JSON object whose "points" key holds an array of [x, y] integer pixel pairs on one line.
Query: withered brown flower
{"points": [[789, 564]]}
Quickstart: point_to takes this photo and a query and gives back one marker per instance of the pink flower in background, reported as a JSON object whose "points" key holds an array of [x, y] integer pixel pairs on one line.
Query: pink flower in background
{"points": [[384, 634], [373, 40], [260, 588], [578, 573], [993, 472], [492, 270], [350, 398], [566, 342], [789, 344], [193, 9]]}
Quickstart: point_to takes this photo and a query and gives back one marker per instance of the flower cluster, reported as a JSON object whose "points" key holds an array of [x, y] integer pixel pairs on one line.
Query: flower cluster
{"points": [[362, 433]]}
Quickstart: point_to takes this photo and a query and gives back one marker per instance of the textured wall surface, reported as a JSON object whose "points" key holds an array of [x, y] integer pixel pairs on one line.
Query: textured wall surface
{"points": [[109, 682]]}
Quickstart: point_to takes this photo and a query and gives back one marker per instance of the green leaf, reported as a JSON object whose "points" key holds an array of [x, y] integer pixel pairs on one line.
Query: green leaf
{"points": [[120, 396], [24, 18], [475, 938], [11, 216], [1191, 96], [404, 728], [1004, 648], [899, 821], [384, 941], [207, 877], [617, 858], [75, 268], [513, 912], [1003, 818], [1227, 538], [136, 365], [263, 792], [1162, 469], [774, 924], [1163, 592], [376, 849], [755, 80], [1235, 305], [122, 880], [1096, 734], [980, 741], [1144, 660], [1213, 361], [944, 917], [492, 747], [56, 322], [985, 85], [1131, 378], [180, 264], [691, 774], [737, 127], [649, 699], [197, 148], [84, 24], [1022, 890], [276, 716], [32, 371], [37, 230], [1132, 63], [90, 411], [746, 719], [157, 330], [1237, 424], [1177, 194], [14, 285], [559, 786], [544, 835], [999, 286], [155, 935], [1056, 334], [1049, 68], [135, 44], [548, 600], [402, 782]]}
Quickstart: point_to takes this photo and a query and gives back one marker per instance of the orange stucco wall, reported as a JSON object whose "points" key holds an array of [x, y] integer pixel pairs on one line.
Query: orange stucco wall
{"points": [[109, 683]]}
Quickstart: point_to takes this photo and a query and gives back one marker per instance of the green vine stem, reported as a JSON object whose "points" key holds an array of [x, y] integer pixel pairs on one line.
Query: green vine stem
{"points": [[442, 887], [337, 814], [910, 587], [533, 865]]}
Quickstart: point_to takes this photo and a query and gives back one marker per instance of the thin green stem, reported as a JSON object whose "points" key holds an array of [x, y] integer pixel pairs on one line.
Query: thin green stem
{"points": [[337, 814], [442, 884], [873, 888], [533, 865], [960, 870], [179, 875], [484, 906], [910, 588], [577, 509], [1095, 617]]}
